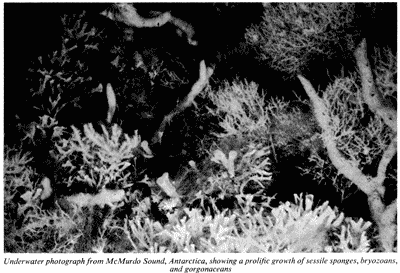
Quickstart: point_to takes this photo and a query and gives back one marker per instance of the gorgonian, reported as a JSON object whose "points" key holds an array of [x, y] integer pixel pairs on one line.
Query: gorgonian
{"points": [[101, 160]]}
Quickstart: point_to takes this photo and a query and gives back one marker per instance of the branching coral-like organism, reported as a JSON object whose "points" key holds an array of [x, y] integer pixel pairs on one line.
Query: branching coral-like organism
{"points": [[347, 146], [292, 32]]}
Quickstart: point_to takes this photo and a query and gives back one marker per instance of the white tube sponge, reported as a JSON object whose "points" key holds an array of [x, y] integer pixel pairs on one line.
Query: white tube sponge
{"points": [[112, 102], [205, 74], [129, 15]]}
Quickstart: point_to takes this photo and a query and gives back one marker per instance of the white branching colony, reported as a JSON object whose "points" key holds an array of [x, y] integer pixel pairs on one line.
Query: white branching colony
{"points": [[305, 28], [332, 136], [292, 32], [128, 14], [239, 163]]}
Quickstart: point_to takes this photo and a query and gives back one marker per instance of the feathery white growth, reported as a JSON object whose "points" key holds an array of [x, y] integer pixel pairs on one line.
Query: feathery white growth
{"points": [[227, 162]]}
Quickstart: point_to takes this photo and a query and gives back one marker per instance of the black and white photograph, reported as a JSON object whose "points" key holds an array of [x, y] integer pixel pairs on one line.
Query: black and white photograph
{"points": [[200, 128]]}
